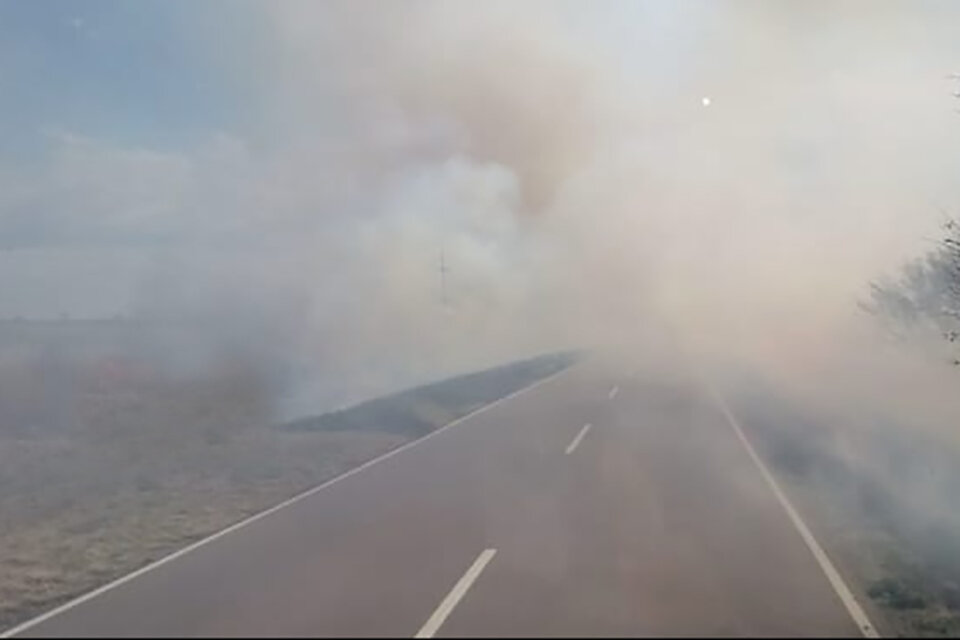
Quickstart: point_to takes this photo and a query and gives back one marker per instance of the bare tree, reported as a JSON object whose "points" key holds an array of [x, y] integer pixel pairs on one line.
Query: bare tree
{"points": [[927, 293]]}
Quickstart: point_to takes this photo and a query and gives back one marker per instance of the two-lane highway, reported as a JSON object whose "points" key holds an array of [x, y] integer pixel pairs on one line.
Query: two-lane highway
{"points": [[594, 503]]}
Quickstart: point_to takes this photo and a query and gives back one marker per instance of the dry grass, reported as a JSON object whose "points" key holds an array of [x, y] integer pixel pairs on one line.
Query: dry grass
{"points": [[62, 542]]}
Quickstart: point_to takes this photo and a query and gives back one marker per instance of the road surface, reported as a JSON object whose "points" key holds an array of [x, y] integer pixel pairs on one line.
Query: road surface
{"points": [[602, 501]]}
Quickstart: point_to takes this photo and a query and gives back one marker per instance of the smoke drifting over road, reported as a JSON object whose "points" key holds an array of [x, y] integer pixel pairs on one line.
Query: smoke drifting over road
{"points": [[397, 192]]}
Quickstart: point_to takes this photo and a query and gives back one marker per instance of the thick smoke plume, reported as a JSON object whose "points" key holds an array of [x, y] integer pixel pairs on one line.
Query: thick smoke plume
{"points": [[562, 160]]}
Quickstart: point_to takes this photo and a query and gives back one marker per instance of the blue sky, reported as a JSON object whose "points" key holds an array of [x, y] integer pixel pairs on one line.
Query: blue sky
{"points": [[164, 73], [99, 91], [152, 72]]}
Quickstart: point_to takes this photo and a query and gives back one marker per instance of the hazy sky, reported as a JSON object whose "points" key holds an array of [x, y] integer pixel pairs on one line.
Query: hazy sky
{"points": [[181, 141]]}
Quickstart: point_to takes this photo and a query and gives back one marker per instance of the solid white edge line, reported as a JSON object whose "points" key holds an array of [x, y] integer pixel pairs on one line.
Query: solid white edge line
{"points": [[576, 441], [24, 626], [459, 590], [833, 576], [613, 392]]}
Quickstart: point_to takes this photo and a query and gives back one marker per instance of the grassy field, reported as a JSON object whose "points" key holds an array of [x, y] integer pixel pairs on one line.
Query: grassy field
{"points": [[82, 506]]}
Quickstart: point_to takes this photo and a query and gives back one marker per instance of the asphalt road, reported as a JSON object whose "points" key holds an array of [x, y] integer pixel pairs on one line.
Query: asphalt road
{"points": [[520, 520]]}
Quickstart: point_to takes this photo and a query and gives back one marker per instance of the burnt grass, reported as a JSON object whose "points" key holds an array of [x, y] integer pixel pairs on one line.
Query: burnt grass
{"points": [[412, 412]]}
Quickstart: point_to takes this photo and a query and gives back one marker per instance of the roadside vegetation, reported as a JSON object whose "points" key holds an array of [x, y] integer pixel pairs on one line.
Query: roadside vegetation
{"points": [[882, 500], [925, 297]]}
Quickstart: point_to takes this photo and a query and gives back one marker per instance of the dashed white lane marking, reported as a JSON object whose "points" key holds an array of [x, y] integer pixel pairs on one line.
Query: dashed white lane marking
{"points": [[9, 633], [456, 594], [613, 393], [833, 576], [576, 441]]}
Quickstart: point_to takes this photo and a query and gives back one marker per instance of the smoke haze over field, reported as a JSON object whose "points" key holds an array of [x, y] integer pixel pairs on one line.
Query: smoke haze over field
{"points": [[559, 155]]}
